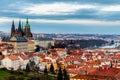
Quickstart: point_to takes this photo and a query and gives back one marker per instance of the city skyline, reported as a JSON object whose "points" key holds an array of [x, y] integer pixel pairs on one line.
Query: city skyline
{"points": [[51, 16]]}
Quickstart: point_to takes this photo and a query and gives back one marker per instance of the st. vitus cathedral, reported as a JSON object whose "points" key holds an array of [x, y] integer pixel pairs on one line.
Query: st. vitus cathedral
{"points": [[21, 31]]}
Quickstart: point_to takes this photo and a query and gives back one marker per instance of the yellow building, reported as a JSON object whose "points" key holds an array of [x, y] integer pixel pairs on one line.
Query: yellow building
{"points": [[31, 45]]}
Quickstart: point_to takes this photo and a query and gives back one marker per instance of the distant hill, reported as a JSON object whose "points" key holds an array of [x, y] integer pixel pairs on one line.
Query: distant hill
{"points": [[80, 36], [73, 44], [4, 34]]}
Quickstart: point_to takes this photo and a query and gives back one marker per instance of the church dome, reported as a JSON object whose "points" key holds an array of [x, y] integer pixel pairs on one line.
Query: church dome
{"points": [[27, 23]]}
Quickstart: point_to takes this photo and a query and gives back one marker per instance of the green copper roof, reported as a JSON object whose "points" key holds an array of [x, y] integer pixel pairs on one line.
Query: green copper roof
{"points": [[27, 23]]}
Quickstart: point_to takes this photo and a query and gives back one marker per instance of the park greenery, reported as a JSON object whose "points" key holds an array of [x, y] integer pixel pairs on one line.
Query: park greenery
{"points": [[34, 74]]}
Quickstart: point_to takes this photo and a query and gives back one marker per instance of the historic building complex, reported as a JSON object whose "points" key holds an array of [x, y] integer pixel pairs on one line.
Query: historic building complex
{"points": [[19, 37], [21, 32], [22, 38]]}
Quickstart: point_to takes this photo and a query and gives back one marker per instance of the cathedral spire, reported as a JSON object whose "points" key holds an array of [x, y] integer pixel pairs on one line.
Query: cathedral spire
{"points": [[19, 29], [13, 23], [13, 29], [27, 20], [22, 25], [22, 29]]}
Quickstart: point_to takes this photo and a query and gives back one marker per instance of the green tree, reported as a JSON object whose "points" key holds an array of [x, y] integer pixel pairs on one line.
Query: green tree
{"points": [[28, 67], [49, 45], [32, 65], [20, 78], [37, 49], [65, 75], [112, 42], [11, 78], [45, 70], [52, 69], [60, 75]]}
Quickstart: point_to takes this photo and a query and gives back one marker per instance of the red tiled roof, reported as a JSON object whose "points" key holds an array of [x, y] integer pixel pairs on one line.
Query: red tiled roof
{"points": [[31, 42], [72, 66], [91, 70], [109, 72], [2, 44], [118, 76], [1, 57], [41, 55], [47, 60], [1, 50], [93, 63], [13, 57], [26, 53], [53, 57], [24, 57], [73, 71], [117, 56], [79, 76]]}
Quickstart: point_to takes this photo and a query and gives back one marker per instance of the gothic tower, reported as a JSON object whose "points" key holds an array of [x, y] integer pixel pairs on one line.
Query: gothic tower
{"points": [[23, 30], [16, 32], [19, 32], [13, 29], [27, 30]]}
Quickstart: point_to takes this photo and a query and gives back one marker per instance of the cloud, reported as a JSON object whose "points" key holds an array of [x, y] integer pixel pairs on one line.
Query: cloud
{"points": [[111, 8], [61, 10], [55, 8], [6, 19], [73, 21], [103, 2], [84, 22]]}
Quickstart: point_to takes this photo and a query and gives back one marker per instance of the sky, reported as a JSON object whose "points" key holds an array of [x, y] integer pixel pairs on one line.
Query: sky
{"points": [[62, 16]]}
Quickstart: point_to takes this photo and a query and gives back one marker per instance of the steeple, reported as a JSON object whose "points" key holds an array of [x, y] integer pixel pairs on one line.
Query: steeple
{"points": [[13, 29], [27, 30], [27, 23], [22, 30], [16, 32], [22, 26], [19, 29], [19, 26], [27, 20], [19, 23]]}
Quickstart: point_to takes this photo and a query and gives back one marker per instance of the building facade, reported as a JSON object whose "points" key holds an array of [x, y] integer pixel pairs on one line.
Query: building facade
{"points": [[20, 44], [44, 42], [11, 62], [19, 37]]}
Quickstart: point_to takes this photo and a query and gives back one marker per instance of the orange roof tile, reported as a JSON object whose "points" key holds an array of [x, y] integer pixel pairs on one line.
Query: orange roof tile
{"points": [[47, 60], [109, 72], [13, 57], [24, 57], [31, 42], [79, 76], [1, 57]]}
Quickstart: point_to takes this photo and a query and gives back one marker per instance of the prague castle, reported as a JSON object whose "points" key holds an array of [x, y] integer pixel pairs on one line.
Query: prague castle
{"points": [[19, 37], [20, 32], [22, 38]]}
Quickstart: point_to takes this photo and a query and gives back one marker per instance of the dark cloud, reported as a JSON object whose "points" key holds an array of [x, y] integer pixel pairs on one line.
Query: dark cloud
{"points": [[105, 2], [82, 14], [11, 8]]}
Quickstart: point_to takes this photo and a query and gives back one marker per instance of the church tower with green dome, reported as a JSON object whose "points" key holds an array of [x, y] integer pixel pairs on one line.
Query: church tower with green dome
{"points": [[27, 30]]}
